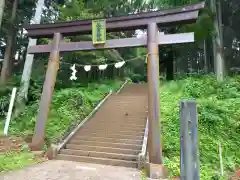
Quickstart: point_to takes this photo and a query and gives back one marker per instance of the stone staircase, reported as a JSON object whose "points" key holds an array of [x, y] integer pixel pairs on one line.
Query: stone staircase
{"points": [[114, 135]]}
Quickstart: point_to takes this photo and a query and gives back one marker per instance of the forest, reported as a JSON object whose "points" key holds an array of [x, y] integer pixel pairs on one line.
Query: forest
{"points": [[206, 70]]}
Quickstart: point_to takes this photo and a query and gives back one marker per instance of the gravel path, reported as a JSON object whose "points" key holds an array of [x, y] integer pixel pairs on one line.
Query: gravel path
{"points": [[66, 170]]}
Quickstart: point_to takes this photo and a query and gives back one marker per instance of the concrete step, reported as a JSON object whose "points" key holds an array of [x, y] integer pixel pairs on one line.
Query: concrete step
{"points": [[99, 154], [110, 134], [107, 144], [121, 109], [106, 122], [138, 110], [112, 162], [105, 139], [127, 98], [119, 128], [109, 131], [127, 102], [115, 123], [135, 126], [115, 136], [118, 121], [125, 105], [121, 114], [119, 136], [102, 149]]}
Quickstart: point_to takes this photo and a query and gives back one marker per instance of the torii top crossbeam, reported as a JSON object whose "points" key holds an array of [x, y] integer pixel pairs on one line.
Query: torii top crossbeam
{"points": [[167, 17]]}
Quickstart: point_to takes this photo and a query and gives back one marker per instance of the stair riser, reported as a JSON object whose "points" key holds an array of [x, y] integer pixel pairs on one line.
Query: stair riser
{"points": [[121, 121], [125, 107], [139, 123], [119, 117], [119, 128], [111, 136], [121, 107], [97, 161], [107, 144], [99, 155], [126, 103], [122, 135], [102, 124], [123, 113], [111, 131], [102, 149], [117, 136], [125, 100], [139, 93], [128, 141]]}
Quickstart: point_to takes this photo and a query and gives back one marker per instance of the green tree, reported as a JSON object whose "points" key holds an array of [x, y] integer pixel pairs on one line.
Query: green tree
{"points": [[2, 4], [7, 63]]}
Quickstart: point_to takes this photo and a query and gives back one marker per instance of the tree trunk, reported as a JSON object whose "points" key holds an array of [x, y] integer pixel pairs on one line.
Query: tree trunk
{"points": [[217, 44], [29, 57], [221, 35], [10, 42], [27, 70], [11, 67], [169, 65], [170, 59], [210, 57], [2, 5], [205, 56]]}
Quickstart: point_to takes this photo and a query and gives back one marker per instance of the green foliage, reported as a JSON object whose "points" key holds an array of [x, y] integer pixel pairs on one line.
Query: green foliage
{"points": [[218, 109], [15, 160], [74, 10], [12, 160], [202, 28], [5, 94], [136, 78], [174, 3], [143, 174]]}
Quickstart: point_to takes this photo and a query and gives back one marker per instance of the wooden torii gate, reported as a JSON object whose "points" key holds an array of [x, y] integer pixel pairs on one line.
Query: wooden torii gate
{"points": [[150, 21]]}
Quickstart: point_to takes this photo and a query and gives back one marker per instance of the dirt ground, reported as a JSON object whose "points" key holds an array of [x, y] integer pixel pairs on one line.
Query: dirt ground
{"points": [[10, 143], [66, 170], [236, 176]]}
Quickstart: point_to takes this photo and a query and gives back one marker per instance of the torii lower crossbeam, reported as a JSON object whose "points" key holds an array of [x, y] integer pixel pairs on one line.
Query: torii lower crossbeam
{"points": [[115, 43]]}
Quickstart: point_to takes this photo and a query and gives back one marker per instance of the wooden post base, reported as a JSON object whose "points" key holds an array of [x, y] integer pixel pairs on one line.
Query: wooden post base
{"points": [[35, 147], [52, 152], [156, 171]]}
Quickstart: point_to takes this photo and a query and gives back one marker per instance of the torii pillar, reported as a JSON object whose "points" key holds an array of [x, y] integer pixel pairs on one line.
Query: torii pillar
{"points": [[155, 167]]}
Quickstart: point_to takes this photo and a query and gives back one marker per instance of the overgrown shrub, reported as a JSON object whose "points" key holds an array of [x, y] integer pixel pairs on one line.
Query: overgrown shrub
{"points": [[218, 112]]}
